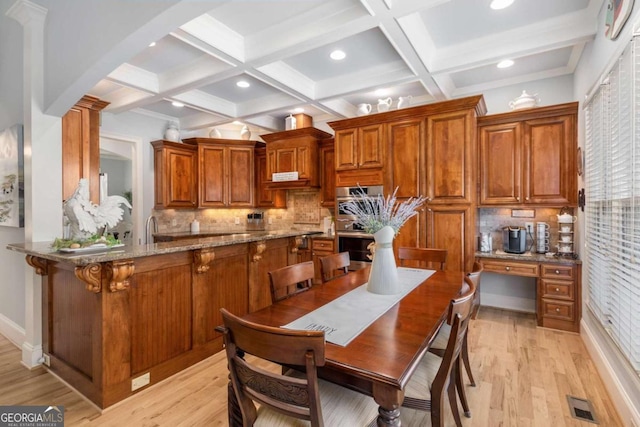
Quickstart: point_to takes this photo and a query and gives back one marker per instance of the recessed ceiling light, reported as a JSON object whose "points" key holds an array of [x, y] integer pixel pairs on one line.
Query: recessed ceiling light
{"points": [[177, 104], [500, 4], [505, 63], [242, 83], [152, 44], [337, 55], [298, 110]]}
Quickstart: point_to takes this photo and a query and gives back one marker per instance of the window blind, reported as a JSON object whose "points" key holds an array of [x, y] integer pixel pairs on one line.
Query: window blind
{"points": [[612, 212]]}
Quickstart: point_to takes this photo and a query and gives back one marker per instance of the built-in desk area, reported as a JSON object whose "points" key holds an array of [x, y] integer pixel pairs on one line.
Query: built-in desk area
{"points": [[558, 290]]}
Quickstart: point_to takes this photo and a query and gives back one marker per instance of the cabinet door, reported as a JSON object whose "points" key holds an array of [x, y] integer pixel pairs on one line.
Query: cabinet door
{"points": [[265, 198], [327, 175], [213, 170], [370, 146], [500, 164], [550, 171], [405, 158], [451, 228], [412, 234], [180, 175], [286, 160], [346, 150], [240, 177], [450, 157]]}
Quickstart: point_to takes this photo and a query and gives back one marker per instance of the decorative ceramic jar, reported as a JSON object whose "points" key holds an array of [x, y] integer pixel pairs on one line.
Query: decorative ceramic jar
{"points": [[172, 133], [384, 105], [215, 133], [404, 101], [364, 109], [383, 277], [524, 101], [245, 133]]}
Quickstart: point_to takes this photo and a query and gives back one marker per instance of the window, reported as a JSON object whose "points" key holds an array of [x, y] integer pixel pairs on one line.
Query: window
{"points": [[612, 211]]}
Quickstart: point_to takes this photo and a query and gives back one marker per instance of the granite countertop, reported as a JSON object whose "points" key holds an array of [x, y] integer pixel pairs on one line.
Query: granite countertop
{"points": [[44, 250], [529, 256]]}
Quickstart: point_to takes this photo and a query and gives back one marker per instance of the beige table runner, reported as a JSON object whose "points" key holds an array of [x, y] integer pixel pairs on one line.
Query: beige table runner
{"points": [[344, 318]]}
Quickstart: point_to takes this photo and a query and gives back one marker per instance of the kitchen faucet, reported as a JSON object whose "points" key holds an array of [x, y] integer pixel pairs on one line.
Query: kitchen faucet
{"points": [[151, 227]]}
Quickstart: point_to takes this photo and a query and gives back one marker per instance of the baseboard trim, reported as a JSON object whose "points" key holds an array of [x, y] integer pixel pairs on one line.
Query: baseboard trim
{"points": [[621, 400], [12, 331]]}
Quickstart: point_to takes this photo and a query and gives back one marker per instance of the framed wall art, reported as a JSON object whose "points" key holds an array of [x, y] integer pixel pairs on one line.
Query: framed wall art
{"points": [[617, 14], [12, 177]]}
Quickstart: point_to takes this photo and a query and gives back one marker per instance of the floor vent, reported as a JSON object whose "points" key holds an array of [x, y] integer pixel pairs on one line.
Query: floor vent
{"points": [[581, 409]]}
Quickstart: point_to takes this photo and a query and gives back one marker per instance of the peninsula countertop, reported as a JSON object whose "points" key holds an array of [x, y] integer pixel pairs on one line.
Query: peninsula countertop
{"points": [[44, 249], [530, 257]]}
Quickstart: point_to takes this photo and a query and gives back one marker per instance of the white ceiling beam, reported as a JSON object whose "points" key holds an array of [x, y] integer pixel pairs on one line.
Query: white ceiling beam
{"points": [[213, 32], [206, 102], [289, 77], [190, 75], [135, 77], [120, 99]]}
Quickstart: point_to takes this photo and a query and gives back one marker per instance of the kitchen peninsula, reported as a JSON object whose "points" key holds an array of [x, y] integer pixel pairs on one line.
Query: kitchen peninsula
{"points": [[117, 320]]}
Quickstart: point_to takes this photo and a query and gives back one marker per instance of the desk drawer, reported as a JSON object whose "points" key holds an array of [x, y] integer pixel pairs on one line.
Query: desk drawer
{"points": [[322, 245], [557, 289], [511, 267], [555, 271], [563, 310]]}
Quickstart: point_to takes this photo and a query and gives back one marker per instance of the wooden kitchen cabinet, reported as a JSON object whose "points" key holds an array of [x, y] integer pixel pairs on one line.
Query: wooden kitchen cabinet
{"points": [[81, 147], [294, 151], [225, 172], [264, 197], [321, 247], [175, 178], [406, 172], [359, 155], [327, 174], [529, 157]]}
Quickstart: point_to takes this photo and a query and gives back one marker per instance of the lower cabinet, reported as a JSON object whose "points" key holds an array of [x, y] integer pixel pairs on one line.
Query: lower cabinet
{"points": [[558, 295], [320, 247]]}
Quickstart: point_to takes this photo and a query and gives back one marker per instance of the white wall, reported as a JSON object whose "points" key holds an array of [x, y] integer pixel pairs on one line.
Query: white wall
{"points": [[622, 382], [12, 294]]}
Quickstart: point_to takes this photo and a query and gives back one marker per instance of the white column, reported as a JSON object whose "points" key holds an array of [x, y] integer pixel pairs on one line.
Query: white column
{"points": [[42, 167]]}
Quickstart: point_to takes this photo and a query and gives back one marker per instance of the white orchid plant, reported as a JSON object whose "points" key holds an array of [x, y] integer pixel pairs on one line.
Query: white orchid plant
{"points": [[373, 213]]}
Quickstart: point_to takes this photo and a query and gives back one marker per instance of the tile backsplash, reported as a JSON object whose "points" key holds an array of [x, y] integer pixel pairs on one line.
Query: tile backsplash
{"points": [[303, 212], [493, 220]]}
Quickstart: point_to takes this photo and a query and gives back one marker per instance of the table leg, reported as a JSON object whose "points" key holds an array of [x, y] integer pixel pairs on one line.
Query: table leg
{"points": [[390, 399]]}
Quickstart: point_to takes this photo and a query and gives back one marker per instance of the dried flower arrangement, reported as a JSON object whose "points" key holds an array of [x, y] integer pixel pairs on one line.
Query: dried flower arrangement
{"points": [[373, 213]]}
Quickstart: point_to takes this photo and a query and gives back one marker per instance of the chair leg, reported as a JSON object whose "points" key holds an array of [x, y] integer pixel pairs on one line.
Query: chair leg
{"points": [[460, 387], [465, 359], [453, 402]]}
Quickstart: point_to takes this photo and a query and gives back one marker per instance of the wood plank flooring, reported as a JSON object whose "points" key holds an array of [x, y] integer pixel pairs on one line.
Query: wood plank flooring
{"points": [[523, 374]]}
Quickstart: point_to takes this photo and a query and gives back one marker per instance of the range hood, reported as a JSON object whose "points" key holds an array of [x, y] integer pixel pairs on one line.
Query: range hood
{"points": [[293, 158]]}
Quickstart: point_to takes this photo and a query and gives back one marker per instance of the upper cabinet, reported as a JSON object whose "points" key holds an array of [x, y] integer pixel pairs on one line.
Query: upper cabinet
{"points": [[529, 157], [265, 198], [294, 151], [327, 173], [175, 176], [359, 155], [225, 172], [81, 146]]}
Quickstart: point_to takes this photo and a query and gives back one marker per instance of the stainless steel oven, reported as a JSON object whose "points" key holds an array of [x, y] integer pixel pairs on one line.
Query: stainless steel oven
{"points": [[351, 237]]}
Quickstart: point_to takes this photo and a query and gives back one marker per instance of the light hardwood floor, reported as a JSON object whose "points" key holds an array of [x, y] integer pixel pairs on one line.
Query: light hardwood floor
{"points": [[523, 374]]}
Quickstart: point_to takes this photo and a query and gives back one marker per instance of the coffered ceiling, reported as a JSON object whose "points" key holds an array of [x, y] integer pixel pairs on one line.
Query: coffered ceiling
{"points": [[428, 49]]}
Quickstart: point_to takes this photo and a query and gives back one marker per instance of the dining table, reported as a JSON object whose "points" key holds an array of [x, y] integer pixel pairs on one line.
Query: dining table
{"points": [[381, 359]]}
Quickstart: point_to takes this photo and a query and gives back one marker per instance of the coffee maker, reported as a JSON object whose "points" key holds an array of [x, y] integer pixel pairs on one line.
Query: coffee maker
{"points": [[514, 240]]}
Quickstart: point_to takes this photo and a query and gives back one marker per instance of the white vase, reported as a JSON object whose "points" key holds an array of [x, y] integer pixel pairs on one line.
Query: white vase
{"points": [[172, 133], [245, 133], [215, 133], [383, 277]]}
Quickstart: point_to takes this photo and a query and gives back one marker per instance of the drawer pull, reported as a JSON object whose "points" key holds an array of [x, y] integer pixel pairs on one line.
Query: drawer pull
{"points": [[507, 268], [557, 271], [557, 289], [557, 310]]}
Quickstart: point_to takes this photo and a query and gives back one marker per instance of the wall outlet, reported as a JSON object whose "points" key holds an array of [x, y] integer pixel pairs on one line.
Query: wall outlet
{"points": [[141, 381], [46, 359], [529, 227], [270, 220], [237, 220], [174, 222]]}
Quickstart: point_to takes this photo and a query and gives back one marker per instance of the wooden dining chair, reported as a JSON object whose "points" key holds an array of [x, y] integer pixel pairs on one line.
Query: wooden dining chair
{"points": [[291, 280], [335, 265], [284, 397], [424, 257], [475, 274], [434, 375]]}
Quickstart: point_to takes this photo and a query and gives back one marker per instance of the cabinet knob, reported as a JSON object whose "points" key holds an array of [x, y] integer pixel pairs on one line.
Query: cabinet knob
{"points": [[557, 289], [557, 310], [507, 268], [557, 271], [517, 198]]}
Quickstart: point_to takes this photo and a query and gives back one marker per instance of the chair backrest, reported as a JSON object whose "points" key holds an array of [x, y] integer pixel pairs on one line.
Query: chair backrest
{"points": [[458, 317], [475, 274], [294, 396], [291, 280], [423, 257], [334, 265]]}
